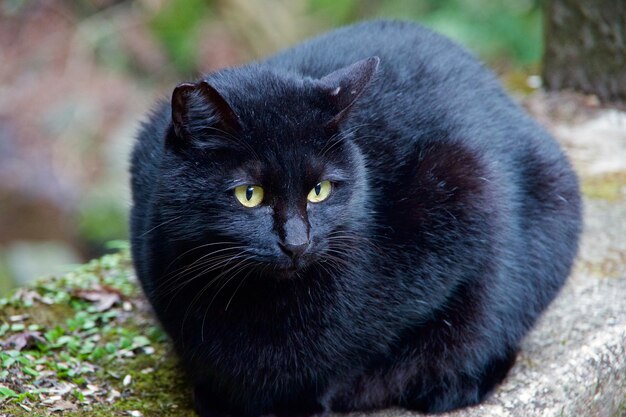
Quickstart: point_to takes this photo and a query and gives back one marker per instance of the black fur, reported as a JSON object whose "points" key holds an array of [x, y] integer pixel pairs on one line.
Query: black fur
{"points": [[453, 222]]}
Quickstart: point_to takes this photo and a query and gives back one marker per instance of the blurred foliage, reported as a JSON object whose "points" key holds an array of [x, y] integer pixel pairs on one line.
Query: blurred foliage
{"points": [[176, 25], [101, 220], [102, 62], [506, 33], [498, 30]]}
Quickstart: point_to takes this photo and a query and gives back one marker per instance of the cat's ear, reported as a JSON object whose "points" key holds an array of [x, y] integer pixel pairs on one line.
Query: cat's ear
{"points": [[346, 85], [199, 108]]}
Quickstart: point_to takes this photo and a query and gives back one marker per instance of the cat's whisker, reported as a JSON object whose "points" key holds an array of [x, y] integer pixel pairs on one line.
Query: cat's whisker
{"points": [[160, 225], [322, 265], [335, 237], [206, 267], [337, 262], [180, 286], [233, 273], [350, 243], [198, 296], [229, 274], [199, 264], [203, 258], [237, 289], [195, 249]]}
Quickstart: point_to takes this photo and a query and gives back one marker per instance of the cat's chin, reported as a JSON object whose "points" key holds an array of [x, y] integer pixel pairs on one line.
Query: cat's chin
{"points": [[286, 272], [282, 269]]}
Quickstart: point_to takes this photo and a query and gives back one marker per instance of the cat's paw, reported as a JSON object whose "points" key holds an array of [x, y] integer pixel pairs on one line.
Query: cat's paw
{"points": [[314, 411], [462, 390], [203, 405], [439, 400], [311, 414]]}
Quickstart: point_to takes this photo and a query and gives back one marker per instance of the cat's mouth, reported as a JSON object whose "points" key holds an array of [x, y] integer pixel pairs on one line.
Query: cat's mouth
{"points": [[292, 270], [286, 271]]}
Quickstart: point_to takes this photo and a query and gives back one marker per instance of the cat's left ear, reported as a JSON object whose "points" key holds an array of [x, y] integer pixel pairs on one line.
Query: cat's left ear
{"points": [[195, 106], [347, 84]]}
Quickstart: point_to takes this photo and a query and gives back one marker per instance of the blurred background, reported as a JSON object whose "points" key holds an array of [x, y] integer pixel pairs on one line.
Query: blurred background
{"points": [[77, 76]]}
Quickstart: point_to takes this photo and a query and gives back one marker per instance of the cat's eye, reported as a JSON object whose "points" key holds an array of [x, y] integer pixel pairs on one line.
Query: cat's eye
{"points": [[320, 192], [249, 195]]}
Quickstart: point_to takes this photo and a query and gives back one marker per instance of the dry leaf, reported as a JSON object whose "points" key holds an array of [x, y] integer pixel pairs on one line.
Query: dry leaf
{"points": [[23, 339], [19, 317], [104, 299], [113, 395], [63, 406], [27, 295]]}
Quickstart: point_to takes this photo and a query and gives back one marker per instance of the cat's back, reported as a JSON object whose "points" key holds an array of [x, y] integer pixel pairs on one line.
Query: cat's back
{"points": [[404, 48], [413, 60], [425, 84]]}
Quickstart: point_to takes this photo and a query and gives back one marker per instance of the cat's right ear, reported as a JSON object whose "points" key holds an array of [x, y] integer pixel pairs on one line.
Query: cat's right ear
{"points": [[199, 109], [344, 86]]}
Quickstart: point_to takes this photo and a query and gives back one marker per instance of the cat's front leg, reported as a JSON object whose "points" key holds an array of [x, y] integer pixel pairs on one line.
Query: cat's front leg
{"points": [[203, 403], [299, 409], [449, 390], [321, 413], [207, 406]]}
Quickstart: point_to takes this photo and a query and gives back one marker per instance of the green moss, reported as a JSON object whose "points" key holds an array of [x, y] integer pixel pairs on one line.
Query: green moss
{"points": [[610, 187], [91, 346], [156, 388]]}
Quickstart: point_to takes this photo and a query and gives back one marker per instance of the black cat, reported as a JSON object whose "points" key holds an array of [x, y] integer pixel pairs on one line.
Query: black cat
{"points": [[361, 221]]}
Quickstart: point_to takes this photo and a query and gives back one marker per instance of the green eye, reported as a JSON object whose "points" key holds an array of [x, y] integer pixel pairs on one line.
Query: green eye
{"points": [[320, 192], [249, 195]]}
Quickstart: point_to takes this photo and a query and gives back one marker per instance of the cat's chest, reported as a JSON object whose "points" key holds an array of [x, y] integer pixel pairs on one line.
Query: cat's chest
{"points": [[285, 344], [271, 322]]}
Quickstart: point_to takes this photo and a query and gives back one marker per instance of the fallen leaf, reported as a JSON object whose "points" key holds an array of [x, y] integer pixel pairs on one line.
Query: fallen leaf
{"points": [[25, 407], [28, 296], [51, 400], [102, 298], [23, 339], [63, 406], [113, 395], [61, 389], [7, 392]]}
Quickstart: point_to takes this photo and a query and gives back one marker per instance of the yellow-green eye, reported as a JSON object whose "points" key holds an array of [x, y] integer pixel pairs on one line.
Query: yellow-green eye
{"points": [[249, 195], [320, 192]]}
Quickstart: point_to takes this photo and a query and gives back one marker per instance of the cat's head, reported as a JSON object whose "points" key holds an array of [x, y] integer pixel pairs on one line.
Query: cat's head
{"points": [[264, 163]]}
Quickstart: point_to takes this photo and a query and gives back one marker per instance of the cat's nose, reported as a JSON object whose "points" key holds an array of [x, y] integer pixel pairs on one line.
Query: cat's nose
{"points": [[296, 238], [294, 251]]}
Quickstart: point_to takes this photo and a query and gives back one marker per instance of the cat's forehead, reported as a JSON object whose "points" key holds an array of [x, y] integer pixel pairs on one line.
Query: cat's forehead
{"points": [[283, 118], [287, 161], [287, 153], [272, 101]]}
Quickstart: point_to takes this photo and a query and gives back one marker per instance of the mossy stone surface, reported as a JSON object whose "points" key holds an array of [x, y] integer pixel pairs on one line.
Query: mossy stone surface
{"points": [[85, 344]]}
